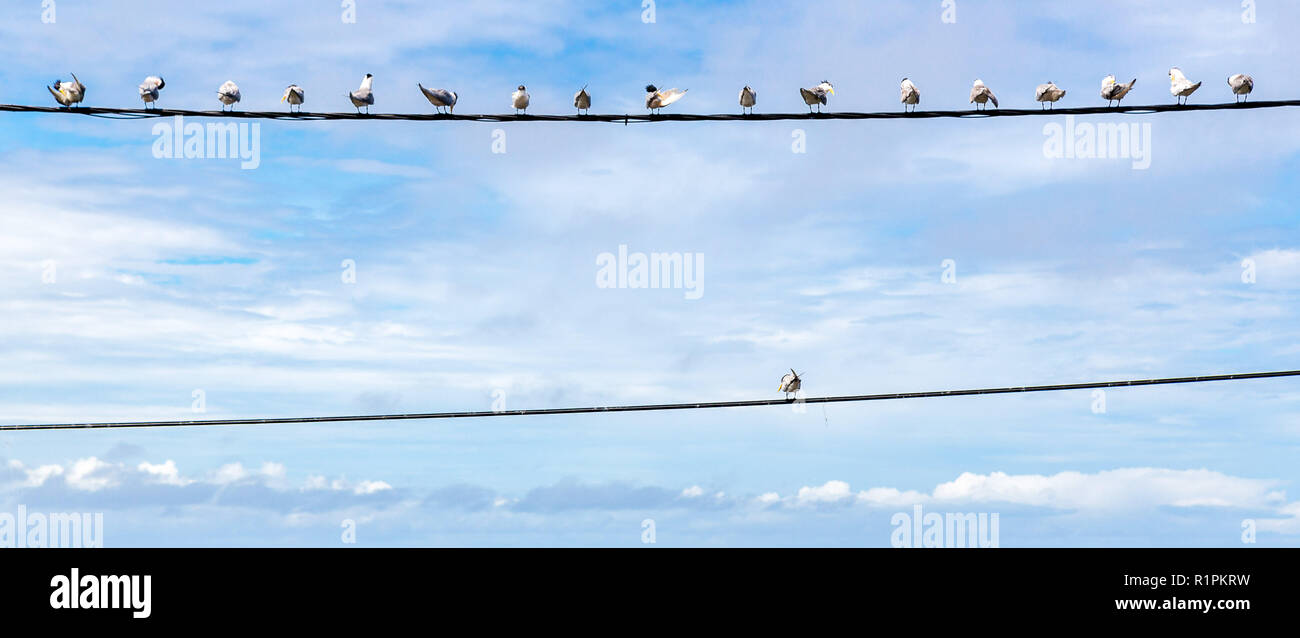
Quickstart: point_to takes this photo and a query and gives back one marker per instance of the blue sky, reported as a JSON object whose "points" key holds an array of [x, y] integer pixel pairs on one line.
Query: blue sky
{"points": [[476, 271]]}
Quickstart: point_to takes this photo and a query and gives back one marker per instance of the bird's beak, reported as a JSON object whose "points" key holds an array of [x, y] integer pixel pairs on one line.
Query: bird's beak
{"points": [[282, 97], [832, 90]]}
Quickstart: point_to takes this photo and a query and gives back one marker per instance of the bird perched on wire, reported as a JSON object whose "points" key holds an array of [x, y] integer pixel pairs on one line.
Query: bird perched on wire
{"points": [[228, 94], [582, 100], [1049, 93], [1112, 91], [908, 94], [656, 99], [817, 95], [364, 96], [150, 88], [1241, 85], [68, 93], [1181, 87], [294, 95], [748, 98], [790, 383], [980, 94], [520, 99], [439, 98]]}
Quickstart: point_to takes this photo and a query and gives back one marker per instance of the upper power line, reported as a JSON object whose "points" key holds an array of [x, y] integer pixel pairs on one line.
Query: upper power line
{"points": [[663, 406]]}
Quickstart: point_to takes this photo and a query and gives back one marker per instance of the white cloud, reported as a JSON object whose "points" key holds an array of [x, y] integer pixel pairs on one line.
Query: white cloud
{"points": [[1109, 490], [165, 473], [830, 492]]}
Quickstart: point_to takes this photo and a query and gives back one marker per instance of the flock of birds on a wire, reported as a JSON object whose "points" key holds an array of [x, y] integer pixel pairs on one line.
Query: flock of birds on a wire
{"points": [[71, 93]]}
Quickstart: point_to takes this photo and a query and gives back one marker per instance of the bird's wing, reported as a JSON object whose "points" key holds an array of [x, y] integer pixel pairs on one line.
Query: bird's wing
{"points": [[671, 95], [992, 98], [808, 96]]}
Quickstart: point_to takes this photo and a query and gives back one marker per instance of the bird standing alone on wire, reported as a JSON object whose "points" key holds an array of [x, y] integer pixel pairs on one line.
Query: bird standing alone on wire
{"points": [[520, 100], [1242, 85], [68, 93], [582, 100], [364, 96], [228, 94], [439, 98], [1048, 94], [1113, 92], [294, 95], [150, 89], [908, 94], [748, 98], [817, 95], [790, 383], [981, 94]]}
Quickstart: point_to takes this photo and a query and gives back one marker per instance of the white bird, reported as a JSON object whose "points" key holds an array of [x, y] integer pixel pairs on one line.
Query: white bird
{"points": [[656, 99], [294, 95], [363, 96], [790, 383], [908, 94], [817, 95], [1241, 85], [1181, 87], [150, 88], [1049, 93], [980, 94], [748, 98], [1114, 92], [440, 98], [68, 93], [582, 100], [228, 94], [520, 99]]}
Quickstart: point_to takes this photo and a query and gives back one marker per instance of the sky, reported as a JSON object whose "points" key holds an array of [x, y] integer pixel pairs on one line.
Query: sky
{"points": [[379, 267]]}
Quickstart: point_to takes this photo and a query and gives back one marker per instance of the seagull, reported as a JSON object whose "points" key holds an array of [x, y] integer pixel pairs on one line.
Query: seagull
{"points": [[1241, 85], [908, 94], [363, 96], [1180, 86], [149, 89], [748, 98], [1113, 92], [980, 94], [1048, 93], [582, 100], [790, 383], [656, 99], [520, 100], [228, 94], [294, 95], [68, 93], [439, 98], [817, 95]]}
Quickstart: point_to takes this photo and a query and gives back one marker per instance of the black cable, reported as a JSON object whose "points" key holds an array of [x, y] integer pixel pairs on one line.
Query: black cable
{"points": [[642, 118], [665, 406]]}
